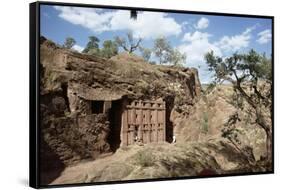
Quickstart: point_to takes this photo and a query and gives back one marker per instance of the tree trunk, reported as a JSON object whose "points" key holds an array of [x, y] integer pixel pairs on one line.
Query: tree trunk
{"points": [[268, 130], [269, 145]]}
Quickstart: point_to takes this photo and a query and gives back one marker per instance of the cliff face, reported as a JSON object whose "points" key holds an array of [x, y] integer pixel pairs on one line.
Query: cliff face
{"points": [[214, 115], [73, 85], [95, 78]]}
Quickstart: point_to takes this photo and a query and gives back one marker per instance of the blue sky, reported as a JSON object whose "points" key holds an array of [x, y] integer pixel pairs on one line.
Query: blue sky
{"points": [[192, 34]]}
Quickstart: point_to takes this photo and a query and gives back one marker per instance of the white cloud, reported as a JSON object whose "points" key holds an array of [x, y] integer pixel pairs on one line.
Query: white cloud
{"points": [[196, 36], [236, 42], [202, 23], [78, 48], [264, 36], [147, 25], [184, 25], [196, 45], [86, 17]]}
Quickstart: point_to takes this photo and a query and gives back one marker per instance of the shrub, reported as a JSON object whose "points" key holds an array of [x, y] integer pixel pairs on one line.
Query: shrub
{"points": [[145, 158]]}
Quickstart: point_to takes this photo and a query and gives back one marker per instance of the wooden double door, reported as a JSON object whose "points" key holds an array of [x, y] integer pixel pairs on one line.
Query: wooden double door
{"points": [[143, 121]]}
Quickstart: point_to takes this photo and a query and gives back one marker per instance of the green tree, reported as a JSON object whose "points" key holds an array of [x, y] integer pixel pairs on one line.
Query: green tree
{"points": [[175, 57], [161, 49], [69, 43], [128, 44], [145, 53], [92, 46], [251, 77], [166, 54], [109, 49]]}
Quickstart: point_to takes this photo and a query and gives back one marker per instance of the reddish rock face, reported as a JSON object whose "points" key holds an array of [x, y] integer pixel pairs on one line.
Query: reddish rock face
{"points": [[207, 172]]}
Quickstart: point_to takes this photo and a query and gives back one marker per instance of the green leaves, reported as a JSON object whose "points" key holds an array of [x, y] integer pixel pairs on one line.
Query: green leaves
{"points": [[251, 77], [166, 54], [109, 49], [128, 44], [69, 43], [249, 66], [175, 57], [92, 46], [161, 49], [145, 53]]}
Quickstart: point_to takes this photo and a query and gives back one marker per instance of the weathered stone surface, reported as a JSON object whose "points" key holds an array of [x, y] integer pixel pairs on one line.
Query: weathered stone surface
{"points": [[95, 78], [76, 137], [72, 82], [80, 79], [216, 157], [208, 118]]}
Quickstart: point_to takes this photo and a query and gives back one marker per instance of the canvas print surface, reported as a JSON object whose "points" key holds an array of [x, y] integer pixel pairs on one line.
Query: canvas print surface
{"points": [[139, 95]]}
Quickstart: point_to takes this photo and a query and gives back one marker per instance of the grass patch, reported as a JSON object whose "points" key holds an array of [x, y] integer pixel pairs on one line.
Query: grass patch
{"points": [[145, 158]]}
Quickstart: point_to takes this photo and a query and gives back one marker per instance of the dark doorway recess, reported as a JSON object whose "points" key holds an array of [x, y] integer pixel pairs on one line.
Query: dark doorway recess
{"points": [[51, 166], [169, 125], [97, 107], [64, 87], [115, 117]]}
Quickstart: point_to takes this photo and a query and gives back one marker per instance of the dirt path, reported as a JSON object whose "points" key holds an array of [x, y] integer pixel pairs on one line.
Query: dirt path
{"points": [[85, 171]]}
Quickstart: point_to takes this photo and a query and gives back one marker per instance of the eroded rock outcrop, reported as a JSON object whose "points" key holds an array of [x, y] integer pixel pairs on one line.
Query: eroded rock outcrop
{"points": [[213, 115], [74, 125]]}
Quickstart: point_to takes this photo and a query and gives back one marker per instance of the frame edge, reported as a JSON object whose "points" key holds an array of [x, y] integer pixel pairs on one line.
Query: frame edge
{"points": [[33, 59]]}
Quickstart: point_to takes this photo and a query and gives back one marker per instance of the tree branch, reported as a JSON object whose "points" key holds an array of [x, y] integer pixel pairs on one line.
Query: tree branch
{"points": [[134, 47]]}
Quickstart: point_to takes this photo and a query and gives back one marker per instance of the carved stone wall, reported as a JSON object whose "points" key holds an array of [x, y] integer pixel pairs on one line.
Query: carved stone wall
{"points": [[75, 138]]}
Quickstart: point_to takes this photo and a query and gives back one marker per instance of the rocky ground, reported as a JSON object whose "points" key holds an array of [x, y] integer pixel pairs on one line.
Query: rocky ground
{"points": [[200, 150]]}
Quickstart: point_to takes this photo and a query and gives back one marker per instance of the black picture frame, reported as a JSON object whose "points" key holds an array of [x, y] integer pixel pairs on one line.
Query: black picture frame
{"points": [[34, 91]]}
